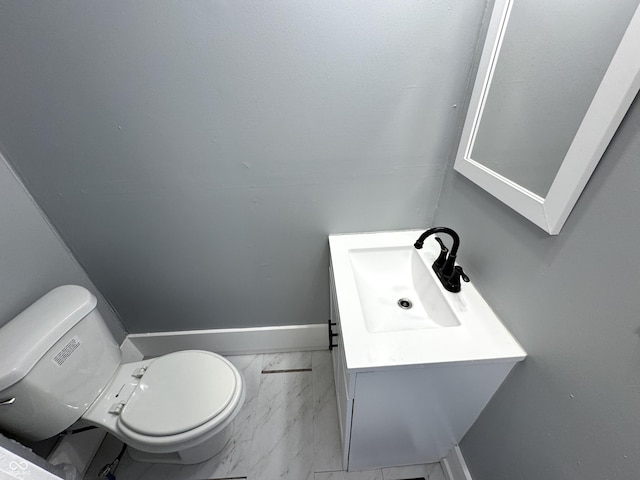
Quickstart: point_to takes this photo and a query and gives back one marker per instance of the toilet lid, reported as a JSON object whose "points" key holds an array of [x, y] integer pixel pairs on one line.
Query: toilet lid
{"points": [[179, 392]]}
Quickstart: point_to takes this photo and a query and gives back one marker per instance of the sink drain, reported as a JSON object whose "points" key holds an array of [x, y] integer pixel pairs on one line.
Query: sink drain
{"points": [[405, 303]]}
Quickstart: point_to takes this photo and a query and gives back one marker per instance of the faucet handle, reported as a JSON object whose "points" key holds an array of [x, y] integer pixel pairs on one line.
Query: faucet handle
{"points": [[463, 275], [452, 282], [442, 258]]}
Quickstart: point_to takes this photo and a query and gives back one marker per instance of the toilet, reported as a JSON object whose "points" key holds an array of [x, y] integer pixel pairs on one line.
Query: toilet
{"points": [[61, 365]]}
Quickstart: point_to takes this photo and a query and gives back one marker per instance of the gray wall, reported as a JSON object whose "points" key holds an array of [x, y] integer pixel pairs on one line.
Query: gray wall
{"points": [[570, 411], [195, 155], [33, 259]]}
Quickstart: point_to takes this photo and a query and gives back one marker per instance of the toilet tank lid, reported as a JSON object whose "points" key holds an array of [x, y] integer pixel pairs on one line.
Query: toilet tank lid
{"points": [[29, 335]]}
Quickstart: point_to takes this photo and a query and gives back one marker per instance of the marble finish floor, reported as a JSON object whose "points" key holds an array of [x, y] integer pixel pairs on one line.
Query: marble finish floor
{"points": [[288, 429]]}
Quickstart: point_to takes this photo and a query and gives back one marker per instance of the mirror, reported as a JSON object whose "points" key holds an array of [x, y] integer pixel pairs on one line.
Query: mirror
{"points": [[554, 82]]}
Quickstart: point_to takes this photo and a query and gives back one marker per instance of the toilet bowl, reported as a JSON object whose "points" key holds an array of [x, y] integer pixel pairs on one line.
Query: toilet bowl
{"points": [[62, 365], [176, 408]]}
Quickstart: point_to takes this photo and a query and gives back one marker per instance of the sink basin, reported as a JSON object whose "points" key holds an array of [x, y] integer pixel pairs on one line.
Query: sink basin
{"points": [[372, 272], [397, 290]]}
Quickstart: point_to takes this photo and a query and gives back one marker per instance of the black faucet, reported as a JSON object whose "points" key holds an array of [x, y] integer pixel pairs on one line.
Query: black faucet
{"points": [[447, 271]]}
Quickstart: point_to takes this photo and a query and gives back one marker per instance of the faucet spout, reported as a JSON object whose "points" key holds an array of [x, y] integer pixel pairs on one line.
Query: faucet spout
{"points": [[452, 233], [445, 268]]}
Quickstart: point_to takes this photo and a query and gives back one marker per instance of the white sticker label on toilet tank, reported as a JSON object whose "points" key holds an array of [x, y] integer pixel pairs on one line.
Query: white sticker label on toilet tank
{"points": [[66, 351]]}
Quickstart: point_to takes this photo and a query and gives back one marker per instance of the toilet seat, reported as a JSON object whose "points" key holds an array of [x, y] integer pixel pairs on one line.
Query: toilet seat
{"points": [[107, 410], [179, 392]]}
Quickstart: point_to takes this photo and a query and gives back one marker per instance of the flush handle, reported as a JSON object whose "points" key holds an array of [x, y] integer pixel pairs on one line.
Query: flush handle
{"points": [[8, 401]]}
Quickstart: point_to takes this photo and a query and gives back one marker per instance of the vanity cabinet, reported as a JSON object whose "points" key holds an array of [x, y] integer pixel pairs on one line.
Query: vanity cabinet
{"points": [[409, 414]]}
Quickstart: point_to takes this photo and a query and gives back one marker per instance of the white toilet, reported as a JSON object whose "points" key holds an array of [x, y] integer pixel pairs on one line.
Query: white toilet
{"points": [[60, 364]]}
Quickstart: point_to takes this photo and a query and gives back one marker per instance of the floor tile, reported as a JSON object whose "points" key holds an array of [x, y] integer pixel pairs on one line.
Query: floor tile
{"points": [[368, 475], [232, 461], [282, 445], [327, 454], [132, 470], [286, 361], [287, 429], [106, 454], [429, 471]]}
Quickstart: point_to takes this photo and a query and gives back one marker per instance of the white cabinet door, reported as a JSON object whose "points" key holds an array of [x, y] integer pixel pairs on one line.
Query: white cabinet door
{"points": [[416, 415]]}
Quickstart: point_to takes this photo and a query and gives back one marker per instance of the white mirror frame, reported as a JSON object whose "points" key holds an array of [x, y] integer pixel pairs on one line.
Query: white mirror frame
{"points": [[611, 101]]}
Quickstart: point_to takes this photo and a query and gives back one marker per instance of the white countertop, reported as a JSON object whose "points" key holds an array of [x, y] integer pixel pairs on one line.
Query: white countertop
{"points": [[480, 337]]}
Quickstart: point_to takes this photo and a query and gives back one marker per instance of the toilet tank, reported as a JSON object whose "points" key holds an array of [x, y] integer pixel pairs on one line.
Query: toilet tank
{"points": [[56, 357]]}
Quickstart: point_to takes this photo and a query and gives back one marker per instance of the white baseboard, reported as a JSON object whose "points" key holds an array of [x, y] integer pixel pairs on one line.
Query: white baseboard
{"points": [[233, 341], [454, 465]]}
